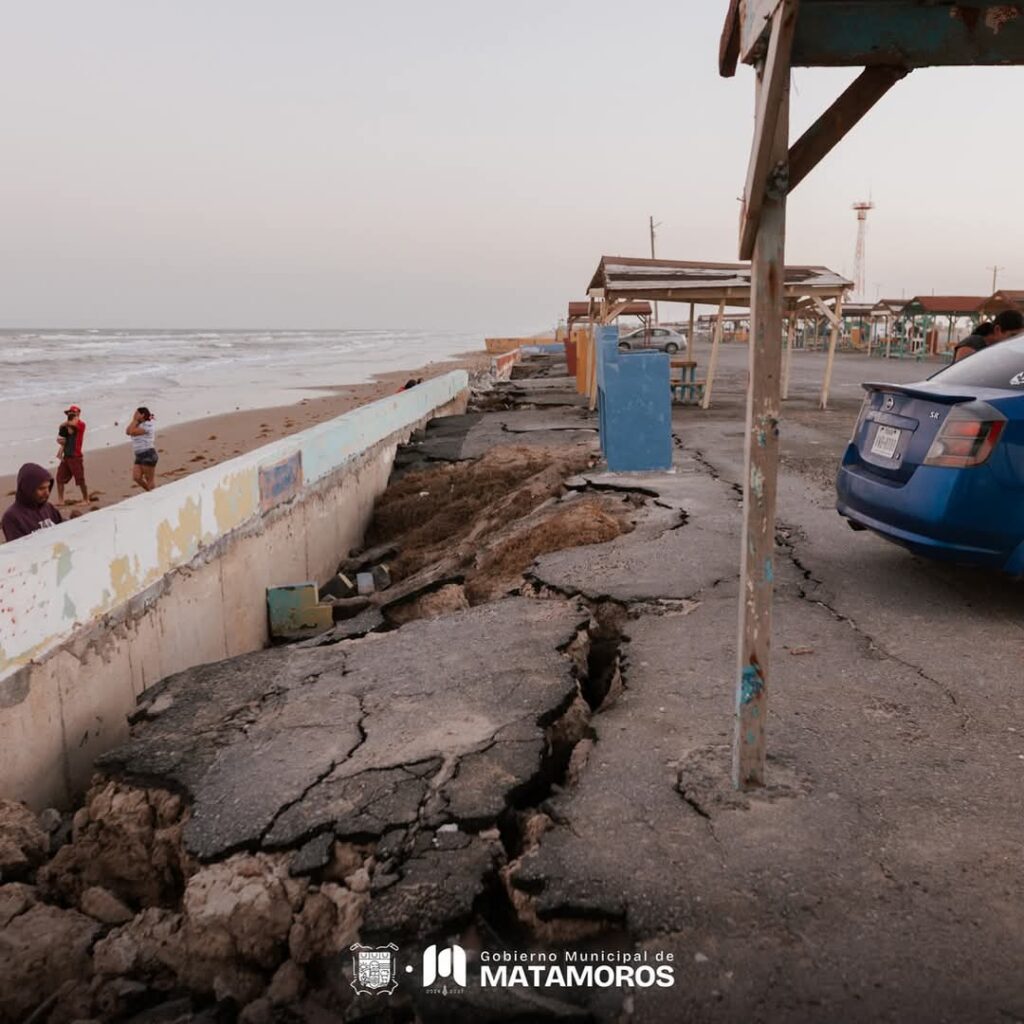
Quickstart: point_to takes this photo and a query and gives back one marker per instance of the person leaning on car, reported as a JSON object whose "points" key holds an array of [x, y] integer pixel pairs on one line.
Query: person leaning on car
{"points": [[978, 340], [1006, 325]]}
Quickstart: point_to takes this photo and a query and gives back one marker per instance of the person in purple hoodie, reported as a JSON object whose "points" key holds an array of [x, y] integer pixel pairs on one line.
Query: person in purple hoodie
{"points": [[31, 510]]}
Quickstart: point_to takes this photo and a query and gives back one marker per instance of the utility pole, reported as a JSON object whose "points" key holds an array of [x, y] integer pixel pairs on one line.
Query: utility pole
{"points": [[995, 273], [653, 226]]}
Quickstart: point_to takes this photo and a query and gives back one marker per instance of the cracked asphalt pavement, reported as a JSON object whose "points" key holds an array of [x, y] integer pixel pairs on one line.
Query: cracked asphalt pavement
{"points": [[877, 877], [554, 765]]}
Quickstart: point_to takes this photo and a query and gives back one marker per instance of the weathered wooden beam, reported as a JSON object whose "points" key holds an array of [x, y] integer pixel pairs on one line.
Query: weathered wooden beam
{"points": [[836, 320], [609, 313], [828, 314], [602, 318], [766, 175], [787, 367], [819, 140], [755, 22], [761, 465], [709, 381]]}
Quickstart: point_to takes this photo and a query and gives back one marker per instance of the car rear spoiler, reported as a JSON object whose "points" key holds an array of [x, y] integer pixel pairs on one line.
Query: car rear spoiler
{"points": [[943, 398]]}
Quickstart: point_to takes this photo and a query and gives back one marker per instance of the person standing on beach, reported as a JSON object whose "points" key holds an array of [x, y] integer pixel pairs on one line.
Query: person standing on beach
{"points": [[31, 510], [70, 437], [142, 431]]}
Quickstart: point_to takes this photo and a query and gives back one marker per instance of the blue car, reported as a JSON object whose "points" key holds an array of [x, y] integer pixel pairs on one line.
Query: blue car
{"points": [[938, 466]]}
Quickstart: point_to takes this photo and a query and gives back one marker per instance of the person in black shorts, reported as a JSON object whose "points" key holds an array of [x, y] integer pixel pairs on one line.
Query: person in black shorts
{"points": [[142, 431]]}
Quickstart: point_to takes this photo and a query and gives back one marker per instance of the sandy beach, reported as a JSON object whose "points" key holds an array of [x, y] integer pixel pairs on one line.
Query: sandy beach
{"points": [[186, 448]]}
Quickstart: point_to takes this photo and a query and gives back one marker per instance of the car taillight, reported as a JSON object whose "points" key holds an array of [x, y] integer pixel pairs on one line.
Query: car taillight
{"points": [[967, 438]]}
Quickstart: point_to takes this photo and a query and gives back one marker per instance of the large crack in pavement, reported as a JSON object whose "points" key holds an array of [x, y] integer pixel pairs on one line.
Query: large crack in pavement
{"points": [[786, 542]]}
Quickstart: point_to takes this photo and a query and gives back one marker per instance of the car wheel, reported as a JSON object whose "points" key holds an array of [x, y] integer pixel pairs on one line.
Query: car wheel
{"points": [[671, 348], [624, 346]]}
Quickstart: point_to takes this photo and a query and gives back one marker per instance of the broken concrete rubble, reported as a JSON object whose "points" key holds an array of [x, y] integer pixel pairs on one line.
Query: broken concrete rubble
{"points": [[23, 842], [41, 948], [126, 840]]}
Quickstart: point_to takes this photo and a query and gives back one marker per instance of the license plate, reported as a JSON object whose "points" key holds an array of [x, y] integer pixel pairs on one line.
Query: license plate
{"points": [[885, 442]]}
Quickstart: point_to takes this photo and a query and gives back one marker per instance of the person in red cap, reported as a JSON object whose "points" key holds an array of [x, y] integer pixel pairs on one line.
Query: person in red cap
{"points": [[70, 436]]}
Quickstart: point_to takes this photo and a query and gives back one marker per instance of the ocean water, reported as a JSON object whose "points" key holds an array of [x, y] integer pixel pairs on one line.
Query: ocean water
{"points": [[183, 375]]}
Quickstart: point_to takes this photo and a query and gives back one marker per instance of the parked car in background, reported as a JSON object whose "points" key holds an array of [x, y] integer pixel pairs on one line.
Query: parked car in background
{"points": [[663, 339], [938, 466]]}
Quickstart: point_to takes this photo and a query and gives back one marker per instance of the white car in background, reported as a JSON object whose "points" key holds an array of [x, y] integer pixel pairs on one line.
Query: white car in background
{"points": [[661, 339]]}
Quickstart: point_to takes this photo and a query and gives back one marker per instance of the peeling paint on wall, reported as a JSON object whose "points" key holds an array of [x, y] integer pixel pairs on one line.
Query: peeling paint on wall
{"points": [[63, 555], [177, 544], [123, 578], [235, 500], [280, 482]]}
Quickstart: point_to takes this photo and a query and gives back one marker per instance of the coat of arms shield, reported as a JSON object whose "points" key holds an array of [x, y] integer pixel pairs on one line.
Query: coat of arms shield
{"points": [[374, 969]]}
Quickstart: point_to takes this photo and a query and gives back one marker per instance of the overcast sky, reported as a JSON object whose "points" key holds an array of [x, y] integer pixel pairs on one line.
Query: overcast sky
{"points": [[460, 163]]}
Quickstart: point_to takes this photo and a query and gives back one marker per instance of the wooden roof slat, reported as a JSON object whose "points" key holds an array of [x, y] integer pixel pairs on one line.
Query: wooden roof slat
{"points": [[582, 309], [944, 305], [691, 281]]}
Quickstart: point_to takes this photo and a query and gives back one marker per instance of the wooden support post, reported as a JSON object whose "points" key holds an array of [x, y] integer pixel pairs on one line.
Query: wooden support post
{"points": [[713, 359], [761, 448], [772, 85], [789, 354], [690, 340], [603, 317], [833, 340]]}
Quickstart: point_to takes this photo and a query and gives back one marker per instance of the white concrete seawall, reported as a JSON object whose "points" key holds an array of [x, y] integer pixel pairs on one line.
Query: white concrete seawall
{"points": [[94, 611]]}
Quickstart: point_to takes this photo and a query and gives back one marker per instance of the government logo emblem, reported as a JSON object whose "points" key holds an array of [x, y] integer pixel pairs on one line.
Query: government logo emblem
{"points": [[374, 969]]}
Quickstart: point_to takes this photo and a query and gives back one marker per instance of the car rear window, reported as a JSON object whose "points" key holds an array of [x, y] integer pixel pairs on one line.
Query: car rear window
{"points": [[999, 366]]}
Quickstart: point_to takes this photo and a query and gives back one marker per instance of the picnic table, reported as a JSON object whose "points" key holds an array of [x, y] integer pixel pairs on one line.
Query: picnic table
{"points": [[682, 376]]}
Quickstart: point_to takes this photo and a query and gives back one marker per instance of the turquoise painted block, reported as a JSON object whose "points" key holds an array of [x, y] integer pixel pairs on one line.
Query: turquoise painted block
{"points": [[295, 610]]}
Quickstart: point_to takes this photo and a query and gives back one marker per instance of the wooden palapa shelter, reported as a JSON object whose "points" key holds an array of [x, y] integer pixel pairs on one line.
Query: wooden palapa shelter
{"points": [[888, 39], [620, 280]]}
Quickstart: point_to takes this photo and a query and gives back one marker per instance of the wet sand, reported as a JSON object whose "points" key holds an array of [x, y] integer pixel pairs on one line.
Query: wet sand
{"points": [[189, 447]]}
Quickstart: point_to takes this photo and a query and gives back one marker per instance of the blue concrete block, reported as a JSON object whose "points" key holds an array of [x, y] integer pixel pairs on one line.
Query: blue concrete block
{"points": [[635, 406]]}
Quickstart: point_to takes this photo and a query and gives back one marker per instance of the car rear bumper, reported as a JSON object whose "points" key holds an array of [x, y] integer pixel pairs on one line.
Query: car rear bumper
{"points": [[926, 546], [960, 516]]}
